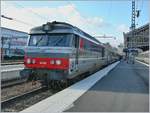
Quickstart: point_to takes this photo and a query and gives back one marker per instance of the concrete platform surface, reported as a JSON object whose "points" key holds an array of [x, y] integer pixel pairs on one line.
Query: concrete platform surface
{"points": [[124, 89], [9, 72], [6, 68]]}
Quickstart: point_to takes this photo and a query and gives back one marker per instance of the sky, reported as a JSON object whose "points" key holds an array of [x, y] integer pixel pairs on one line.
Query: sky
{"points": [[97, 18]]}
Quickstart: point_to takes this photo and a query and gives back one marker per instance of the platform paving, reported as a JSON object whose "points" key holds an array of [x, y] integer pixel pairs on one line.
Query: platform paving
{"points": [[6, 68], [124, 89]]}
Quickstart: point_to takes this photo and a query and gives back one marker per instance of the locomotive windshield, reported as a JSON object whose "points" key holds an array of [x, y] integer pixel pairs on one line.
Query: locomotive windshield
{"points": [[51, 40]]}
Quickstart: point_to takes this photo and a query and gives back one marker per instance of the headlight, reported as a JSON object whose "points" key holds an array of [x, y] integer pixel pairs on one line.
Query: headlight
{"points": [[52, 62], [58, 62], [33, 61], [28, 60]]}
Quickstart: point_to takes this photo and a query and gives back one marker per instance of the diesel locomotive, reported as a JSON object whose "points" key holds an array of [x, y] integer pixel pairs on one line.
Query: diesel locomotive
{"points": [[58, 51]]}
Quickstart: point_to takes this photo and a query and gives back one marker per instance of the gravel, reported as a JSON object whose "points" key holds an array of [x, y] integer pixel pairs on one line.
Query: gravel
{"points": [[28, 101], [12, 91]]}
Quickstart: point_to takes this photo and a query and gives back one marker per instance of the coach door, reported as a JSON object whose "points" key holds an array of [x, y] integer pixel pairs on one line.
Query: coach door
{"points": [[77, 50]]}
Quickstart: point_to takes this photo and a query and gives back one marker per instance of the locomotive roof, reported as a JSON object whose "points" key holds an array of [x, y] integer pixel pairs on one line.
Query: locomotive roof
{"points": [[62, 27]]}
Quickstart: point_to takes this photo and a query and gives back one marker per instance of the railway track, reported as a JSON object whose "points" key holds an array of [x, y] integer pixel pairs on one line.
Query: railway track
{"points": [[13, 100], [13, 82], [21, 101], [21, 96]]}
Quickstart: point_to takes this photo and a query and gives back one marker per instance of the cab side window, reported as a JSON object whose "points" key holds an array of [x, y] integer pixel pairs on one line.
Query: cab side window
{"points": [[76, 41], [73, 41]]}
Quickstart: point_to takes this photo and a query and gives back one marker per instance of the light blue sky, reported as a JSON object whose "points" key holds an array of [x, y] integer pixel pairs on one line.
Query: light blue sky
{"points": [[114, 13]]}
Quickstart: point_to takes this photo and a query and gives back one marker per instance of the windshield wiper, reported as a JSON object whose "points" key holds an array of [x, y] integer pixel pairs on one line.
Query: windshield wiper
{"points": [[38, 41], [56, 43]]}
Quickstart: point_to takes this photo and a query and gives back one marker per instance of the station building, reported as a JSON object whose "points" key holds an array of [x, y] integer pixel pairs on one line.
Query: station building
{"points": [[12, 42], [138, 38]]}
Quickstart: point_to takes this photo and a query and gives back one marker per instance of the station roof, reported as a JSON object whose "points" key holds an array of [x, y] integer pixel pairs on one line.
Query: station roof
{"points": [[14, 30], [7, 32]]}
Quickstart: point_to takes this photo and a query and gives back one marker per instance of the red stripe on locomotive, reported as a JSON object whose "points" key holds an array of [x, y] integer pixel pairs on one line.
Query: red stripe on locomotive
{"points": [[45, 63], [81, 43]]}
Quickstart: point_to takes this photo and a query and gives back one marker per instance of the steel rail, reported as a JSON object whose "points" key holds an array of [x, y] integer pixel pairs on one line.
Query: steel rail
{"points": [[11, 100]]}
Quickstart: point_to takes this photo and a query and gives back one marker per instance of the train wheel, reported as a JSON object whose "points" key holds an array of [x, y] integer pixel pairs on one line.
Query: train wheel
{"points": [[44, 83], [71, 81], [57, 85], [63, 84], [31, 77], [53, 84]]}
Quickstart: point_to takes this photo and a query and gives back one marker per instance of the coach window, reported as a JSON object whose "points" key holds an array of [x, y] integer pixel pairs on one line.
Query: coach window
{"points": [[89, 45], [103, 52], [86, 44], [76, 41], [73, 41]]}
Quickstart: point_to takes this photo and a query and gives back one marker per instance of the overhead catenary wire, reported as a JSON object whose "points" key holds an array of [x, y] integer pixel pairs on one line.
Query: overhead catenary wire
{"points": [[14, 19], [23, 22], [18, 20], [30, 11], [83, 16]]}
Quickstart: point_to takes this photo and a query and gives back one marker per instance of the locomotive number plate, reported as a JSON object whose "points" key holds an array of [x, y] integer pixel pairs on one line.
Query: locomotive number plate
{"points": [[43, 62]]}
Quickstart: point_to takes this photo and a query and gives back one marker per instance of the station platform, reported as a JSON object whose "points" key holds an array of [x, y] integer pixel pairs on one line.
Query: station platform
{"points": [[9, 72], [6, 68], [124, 89], [119, 87]]}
